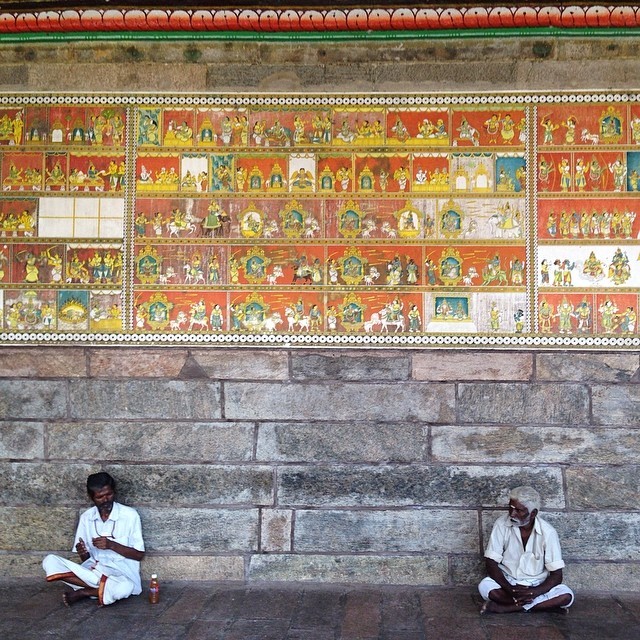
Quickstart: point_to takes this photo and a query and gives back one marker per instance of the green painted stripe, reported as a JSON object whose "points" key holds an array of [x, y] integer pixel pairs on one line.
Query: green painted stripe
{"points": [[313, 36]]}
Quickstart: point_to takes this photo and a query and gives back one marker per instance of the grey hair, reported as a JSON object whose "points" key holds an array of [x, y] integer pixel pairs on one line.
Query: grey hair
{"points": [[527, 496]]}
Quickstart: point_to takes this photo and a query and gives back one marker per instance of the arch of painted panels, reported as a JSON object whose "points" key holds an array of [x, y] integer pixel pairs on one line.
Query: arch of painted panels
{"points": [[437, 220]]}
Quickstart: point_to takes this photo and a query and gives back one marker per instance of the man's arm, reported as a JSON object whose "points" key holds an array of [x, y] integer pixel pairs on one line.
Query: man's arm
{"points": [[103, 542], [494, 572]]}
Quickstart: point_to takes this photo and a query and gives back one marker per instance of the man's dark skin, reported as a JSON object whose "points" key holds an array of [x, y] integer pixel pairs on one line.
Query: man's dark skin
{"points": [[511, 598], [103, 499]]}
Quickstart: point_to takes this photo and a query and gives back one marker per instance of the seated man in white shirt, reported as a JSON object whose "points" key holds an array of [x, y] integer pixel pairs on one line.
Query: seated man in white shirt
{"points": [[523, 560], [109, 543]]}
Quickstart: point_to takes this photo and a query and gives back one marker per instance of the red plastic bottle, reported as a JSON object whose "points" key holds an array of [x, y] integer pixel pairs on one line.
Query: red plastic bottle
{"points": [[154, 589]]}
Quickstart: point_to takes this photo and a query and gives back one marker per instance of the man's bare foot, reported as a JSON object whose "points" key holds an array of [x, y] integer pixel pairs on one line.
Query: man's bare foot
{"points": [[495, 607], [70, 596]]}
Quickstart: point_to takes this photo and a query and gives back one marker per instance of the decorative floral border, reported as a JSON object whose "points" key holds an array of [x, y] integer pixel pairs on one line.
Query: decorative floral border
{"points": [[322, 21]]}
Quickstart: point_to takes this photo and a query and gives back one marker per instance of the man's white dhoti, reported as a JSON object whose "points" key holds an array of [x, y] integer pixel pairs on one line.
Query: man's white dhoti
{"points": [[111, 584], [489, 584]]}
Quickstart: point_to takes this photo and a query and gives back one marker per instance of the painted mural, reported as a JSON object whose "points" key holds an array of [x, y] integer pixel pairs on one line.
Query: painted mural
{"points": [[303, 219]]}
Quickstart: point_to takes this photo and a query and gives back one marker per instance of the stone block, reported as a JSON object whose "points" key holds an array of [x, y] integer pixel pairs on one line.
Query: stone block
{"points": [[22, 440], [151, 441], [406, 531], [276, 530], [145, 399], [183, 530], [22, 565], [404, 485], [601, 488], [390, 402], [603, 577], [352, 366], [446, 366], [243, 364], [529, 445], [563, 404], [33, 399], [41, 483], [136, 363], [342, 442], [36, 528], [194, 485], [388, 570], [587, 367], [190, 567], [116, 76], [616, 404], [467, 569], [13, 76], [555, 75], [68, 362]]}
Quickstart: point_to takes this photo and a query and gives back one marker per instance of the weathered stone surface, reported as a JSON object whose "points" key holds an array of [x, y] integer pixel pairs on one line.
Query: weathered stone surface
{"points": [[366, 367], [136, 363], [243, 364], [37, 528], [23, 440], [589, 535], [22, 565], [194, 485], [467, 569], [446, 366], [162, 399], [342, 442], [202, 567], [151, 441], [35, 483], [603, 577], [13, 76], [276, 530], [116, 76], [33, 399], [410, 485], [567, 75], [418, 570], [616, 404], [200, 530], [587, 367], [577, 445], [523, 403], [603, 488], [68, 362], [390, 402], [426, 531]]}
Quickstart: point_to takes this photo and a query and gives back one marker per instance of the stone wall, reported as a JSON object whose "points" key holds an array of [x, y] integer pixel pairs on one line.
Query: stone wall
{"points": [[463, 64], [358, 466], [342, 465]]}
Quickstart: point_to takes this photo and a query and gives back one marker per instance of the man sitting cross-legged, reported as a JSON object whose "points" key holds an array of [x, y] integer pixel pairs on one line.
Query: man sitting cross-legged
{"points": [[524, 561], [109, 543]]}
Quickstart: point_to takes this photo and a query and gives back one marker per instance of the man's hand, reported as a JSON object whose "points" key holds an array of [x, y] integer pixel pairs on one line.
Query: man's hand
{"points": [[102, 542], [81, 549], [523, 594]]}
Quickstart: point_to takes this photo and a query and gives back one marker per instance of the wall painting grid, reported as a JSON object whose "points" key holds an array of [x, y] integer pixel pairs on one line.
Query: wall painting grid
{"points": [[497, 220]]}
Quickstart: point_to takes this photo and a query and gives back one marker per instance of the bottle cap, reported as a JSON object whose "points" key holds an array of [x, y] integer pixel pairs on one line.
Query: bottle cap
{"points": [[153, 576]]}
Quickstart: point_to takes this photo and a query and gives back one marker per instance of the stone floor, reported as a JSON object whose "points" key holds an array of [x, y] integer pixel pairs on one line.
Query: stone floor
{"points": [[31, 610]]}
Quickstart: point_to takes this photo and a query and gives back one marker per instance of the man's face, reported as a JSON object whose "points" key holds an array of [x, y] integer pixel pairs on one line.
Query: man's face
{"points": [[519, 514], [103, 499]]}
